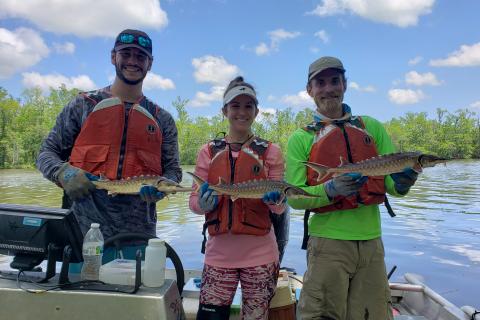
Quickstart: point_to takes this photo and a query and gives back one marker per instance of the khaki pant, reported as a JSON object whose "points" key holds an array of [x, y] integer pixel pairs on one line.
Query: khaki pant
{"points": [[345, 280]]}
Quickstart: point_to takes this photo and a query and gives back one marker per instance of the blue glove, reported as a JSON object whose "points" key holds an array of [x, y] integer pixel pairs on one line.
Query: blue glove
{"points": [[344, 185], [207, 201], [150, 194], [75, 181], [273, 197], [404, 180]]}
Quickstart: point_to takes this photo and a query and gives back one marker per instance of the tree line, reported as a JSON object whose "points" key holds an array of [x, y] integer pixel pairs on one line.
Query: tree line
{"points": [[26, 121]]}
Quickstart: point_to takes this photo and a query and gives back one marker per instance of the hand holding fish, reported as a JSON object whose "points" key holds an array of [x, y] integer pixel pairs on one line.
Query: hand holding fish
{"points": [[76, 182], [404, 180], [150, 194], [344, 185], [207, 201]]}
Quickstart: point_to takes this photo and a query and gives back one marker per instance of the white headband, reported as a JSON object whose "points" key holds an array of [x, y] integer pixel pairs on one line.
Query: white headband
{"points": [[237, 91]]}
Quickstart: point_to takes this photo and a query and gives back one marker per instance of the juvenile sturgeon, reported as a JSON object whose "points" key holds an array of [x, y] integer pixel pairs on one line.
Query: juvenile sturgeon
{"points": [[132, 185], [379, 166], [254, 189]]}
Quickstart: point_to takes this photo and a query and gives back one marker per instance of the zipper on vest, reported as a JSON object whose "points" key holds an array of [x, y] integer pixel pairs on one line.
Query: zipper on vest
{"points": [[347, 142], [128, 108], [232, 177]]}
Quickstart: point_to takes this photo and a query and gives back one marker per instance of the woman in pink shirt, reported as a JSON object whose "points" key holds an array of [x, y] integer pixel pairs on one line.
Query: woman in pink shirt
{"points": [[241, 244]]}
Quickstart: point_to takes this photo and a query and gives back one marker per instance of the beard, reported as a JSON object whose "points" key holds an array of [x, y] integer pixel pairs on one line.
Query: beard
{"points": [[120, 75], [329, 107]]}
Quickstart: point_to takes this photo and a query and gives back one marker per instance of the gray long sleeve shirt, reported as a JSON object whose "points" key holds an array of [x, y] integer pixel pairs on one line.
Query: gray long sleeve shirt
{"points": [[121, 213]]}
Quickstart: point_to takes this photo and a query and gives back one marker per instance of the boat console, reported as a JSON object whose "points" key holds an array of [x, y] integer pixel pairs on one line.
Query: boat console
{"points": [[32, 235]]}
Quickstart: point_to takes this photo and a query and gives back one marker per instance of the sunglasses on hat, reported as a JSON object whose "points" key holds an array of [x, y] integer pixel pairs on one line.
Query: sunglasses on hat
{"points": [[131, 38]]}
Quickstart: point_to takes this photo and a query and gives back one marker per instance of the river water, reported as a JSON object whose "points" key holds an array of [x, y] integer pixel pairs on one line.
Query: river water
{"points": [[436, 232]]}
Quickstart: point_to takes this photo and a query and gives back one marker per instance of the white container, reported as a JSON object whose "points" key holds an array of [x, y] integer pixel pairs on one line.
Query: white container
{"points": [[119, 271], [92, 252], [154, 270]]}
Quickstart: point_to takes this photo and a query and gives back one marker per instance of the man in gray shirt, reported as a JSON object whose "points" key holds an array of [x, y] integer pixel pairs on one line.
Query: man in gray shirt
{"points": [[118, 133]]}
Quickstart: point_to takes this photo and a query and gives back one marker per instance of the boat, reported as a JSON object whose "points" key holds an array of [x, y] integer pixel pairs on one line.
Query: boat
{"points": [[55, 294]]}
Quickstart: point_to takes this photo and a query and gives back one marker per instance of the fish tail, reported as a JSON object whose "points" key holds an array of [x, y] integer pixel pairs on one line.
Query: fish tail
{"points": [[318, 168], [198, 181]]}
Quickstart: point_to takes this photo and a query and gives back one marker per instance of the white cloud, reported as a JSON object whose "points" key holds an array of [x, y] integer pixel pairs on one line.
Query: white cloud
{"points": [[355, 86], [88, 17], [20, 49], [475, 106], [466, 56], [397, 12], [204, 99], [64, 48], [405, 96], [418, 79], [415, 60], [276, 36], [322, 35], [301, 99], [47, 81], [214, 70], [155, 81], [262, 49], [264, 112]]}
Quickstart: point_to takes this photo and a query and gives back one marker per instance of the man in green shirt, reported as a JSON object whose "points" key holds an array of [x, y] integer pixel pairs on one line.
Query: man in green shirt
{"points": [[346, 273]]}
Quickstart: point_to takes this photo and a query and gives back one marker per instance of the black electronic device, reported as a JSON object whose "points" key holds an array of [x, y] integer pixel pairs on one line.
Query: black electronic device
{"points": [[32, 234]]}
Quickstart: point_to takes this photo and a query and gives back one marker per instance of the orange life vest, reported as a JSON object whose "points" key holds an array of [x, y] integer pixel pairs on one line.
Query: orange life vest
{"points": [[349, 140], [243, 216], [108, 140]]}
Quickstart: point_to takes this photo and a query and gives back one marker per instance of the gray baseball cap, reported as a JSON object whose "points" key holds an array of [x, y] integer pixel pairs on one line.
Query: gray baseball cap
{"points": [[322, 64], [237, 91]]}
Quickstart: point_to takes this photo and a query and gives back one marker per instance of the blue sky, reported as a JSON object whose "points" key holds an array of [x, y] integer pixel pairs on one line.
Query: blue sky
{"points": [[401, 56]]}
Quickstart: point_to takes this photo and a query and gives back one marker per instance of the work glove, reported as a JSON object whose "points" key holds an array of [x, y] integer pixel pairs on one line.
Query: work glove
{"points": [[150, 194], [404, 180], [75, 181], [344, 185], [207, 201], [273, 197]]}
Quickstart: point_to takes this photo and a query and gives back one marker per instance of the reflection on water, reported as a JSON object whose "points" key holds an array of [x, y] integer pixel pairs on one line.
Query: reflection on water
{"points": [[436, 232]]}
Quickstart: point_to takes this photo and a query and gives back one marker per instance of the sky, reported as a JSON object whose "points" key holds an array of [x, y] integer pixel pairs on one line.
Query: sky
{"points": [[400, 55]]}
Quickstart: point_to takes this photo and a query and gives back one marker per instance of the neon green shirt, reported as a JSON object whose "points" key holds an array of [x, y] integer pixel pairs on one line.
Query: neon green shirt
{"points": [[362, 223]]}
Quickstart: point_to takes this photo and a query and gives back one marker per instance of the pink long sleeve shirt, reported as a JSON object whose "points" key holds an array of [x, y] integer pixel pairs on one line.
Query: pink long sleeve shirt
{"points": [[241, 250]]}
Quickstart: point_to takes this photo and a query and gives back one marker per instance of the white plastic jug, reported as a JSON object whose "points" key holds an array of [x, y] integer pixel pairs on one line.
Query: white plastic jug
{"points": [[154, 270]]}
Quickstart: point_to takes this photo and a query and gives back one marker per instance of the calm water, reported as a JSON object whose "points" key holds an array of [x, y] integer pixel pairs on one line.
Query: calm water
{"points": [[436, 232]]}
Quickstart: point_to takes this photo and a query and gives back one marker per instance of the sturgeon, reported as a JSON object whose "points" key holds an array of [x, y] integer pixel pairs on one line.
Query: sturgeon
{"points": [[254, 189], [132, 185], [379, 166]]}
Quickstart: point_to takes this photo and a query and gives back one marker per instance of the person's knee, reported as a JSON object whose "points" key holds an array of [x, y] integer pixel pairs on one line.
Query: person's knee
{"points": [[212, 312]]}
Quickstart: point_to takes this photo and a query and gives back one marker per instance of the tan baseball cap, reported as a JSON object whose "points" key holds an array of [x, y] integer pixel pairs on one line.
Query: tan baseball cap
{"points": [[322, 64], [237, 91]]}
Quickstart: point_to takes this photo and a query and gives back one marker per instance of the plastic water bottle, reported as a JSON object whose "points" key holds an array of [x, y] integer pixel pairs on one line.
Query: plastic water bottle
{"points": [[92, 251], [154, 269]]}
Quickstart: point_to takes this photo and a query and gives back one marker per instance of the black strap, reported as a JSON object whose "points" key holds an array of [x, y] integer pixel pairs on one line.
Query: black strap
{"points": [[389, 207], [204, 232], [306, 216]]}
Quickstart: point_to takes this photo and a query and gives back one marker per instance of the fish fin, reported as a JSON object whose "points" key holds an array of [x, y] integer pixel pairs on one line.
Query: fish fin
{"points": [[280, 200], [198, 181], [318, 168]]}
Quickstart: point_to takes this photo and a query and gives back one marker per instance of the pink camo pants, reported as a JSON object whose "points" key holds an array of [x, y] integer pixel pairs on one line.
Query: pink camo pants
{"points": [[258, 287]]}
